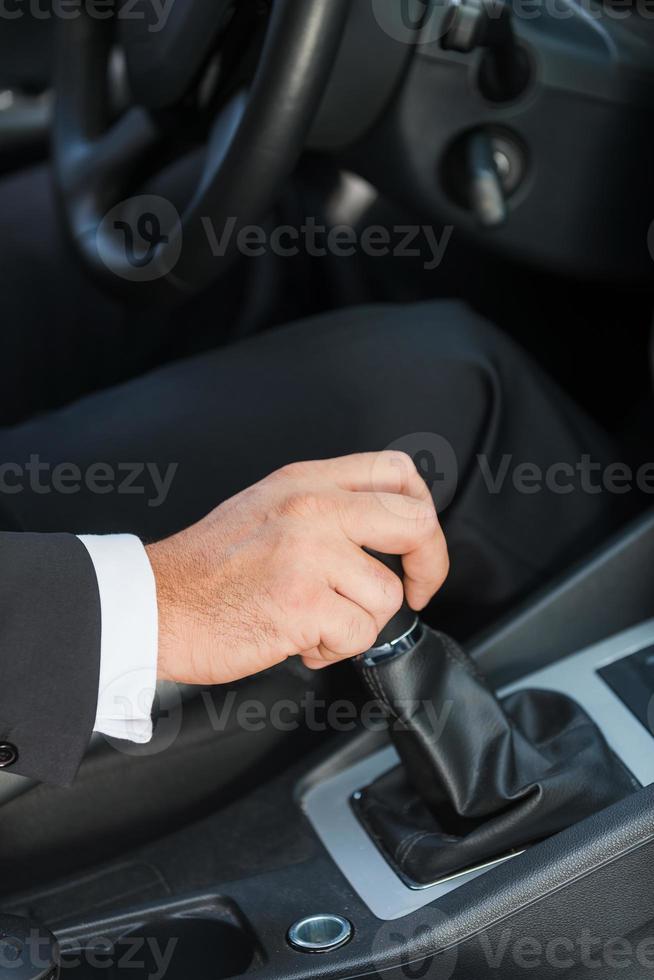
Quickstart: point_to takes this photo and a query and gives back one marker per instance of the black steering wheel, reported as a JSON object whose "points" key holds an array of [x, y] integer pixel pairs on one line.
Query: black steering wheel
{"points": [[254, 128]]}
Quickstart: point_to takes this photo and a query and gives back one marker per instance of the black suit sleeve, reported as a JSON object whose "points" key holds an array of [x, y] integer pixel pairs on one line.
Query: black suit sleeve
{"points": [[50, 628]]}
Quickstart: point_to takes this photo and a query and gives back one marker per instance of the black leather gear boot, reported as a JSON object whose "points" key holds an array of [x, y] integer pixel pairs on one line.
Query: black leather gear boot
{"points": [[480, 778]]}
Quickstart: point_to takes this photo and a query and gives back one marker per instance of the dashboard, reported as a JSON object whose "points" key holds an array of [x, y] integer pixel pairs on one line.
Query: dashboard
{"points": [[566, 156]]}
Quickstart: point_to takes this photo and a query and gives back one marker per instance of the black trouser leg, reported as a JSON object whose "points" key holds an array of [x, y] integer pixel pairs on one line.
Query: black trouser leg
{"points": [[360, 379]]}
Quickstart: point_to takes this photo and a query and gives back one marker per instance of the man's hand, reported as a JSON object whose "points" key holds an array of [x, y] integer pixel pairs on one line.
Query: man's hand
{"points": [[280, 570]]}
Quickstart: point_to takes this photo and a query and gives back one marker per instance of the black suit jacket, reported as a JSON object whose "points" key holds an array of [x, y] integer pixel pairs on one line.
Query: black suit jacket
{"points": [[50, 628]]}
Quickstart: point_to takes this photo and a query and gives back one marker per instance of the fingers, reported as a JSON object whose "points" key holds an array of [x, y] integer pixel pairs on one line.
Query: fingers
{"points": [[357, 576], [385, 472], [345, 631], [390, 523], [346, 628], [425, 570], [400, 525], [369, 588], [380, 502]]}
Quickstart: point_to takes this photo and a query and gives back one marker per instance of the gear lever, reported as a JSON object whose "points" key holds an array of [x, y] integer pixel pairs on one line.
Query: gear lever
{"points": [[403, 630], [480, 779]]}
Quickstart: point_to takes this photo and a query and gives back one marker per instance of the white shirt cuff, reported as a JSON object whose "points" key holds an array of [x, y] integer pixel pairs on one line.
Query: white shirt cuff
{"points": [[129, 639]]}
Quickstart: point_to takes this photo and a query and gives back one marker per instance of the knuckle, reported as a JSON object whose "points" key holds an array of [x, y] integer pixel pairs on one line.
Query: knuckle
{"points": [[359, 634], [392, 595], [403, 457], [290, 472], [389, 592], [300, 503], [426, 519]]}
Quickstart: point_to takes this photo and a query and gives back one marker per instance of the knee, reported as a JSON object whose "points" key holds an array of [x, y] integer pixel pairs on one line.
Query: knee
{"points": [[447, 329]]}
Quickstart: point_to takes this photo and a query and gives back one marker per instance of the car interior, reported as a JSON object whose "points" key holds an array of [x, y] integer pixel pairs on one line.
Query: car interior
{"points": [[521, 133]]}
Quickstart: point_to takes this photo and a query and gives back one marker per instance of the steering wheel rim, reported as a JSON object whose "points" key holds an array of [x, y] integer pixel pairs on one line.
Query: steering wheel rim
{"points": [[253, 147]]}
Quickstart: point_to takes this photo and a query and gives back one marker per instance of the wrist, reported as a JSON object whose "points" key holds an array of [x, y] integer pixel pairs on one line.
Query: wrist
{"points": [[160, 560]]}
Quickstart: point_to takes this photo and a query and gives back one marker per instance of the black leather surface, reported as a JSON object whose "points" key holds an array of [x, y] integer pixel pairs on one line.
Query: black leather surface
{"points": [[480, 778]]}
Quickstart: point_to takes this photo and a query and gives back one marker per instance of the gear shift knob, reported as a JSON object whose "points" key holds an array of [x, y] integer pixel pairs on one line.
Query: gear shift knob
{"points": [[402, 630]]}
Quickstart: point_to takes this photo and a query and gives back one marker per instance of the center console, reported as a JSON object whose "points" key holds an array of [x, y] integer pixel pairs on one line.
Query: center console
{"points": [[598, 678], [287, 883]]}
